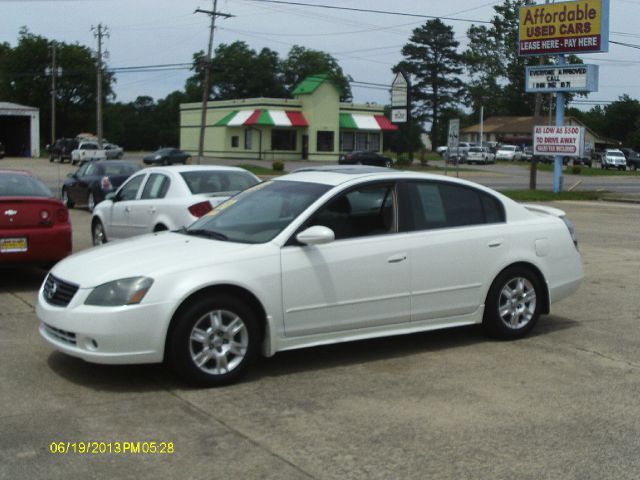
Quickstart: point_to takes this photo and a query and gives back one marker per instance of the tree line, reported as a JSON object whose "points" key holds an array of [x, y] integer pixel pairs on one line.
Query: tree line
{"points": [[447, 83]]}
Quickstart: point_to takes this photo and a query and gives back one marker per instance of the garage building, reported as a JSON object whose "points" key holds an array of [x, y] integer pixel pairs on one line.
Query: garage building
{"points": [[20, 130]]}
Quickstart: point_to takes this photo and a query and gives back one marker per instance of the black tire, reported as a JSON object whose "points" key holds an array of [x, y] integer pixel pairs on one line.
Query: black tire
{"points": [[66, 199], [388, 163], [165, 161], [91, 201], [98, 235], [160, 228], [513, 304], [230, 323]]}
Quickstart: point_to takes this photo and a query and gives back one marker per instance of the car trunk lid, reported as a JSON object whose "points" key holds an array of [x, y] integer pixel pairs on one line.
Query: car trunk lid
{"points": [[20, 212]]}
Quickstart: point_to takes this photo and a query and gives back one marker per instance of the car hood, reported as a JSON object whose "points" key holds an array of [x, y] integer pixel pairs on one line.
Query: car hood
{"points": [[150, 255]]}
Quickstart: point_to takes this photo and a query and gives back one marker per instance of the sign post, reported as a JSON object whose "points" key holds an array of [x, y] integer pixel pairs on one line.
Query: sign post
{"points": [[453, 142], [401, 105], [558, 29]]}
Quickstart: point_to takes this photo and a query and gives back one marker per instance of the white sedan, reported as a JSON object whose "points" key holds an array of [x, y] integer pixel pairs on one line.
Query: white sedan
{"points": [[319, 256], [165, 198]]}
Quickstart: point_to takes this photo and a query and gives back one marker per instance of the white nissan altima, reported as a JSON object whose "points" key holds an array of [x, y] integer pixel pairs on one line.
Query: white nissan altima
{"points": [[319, 256]]}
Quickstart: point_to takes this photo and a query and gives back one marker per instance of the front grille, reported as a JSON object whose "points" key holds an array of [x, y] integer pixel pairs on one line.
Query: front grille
{"points": [[58, 292], [62, 335]]}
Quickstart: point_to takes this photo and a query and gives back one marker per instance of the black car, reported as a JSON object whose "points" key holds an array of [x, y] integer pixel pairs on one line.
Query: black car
{"points": [[61, 149], [93, 180], [632, 157], [167, 156], [586, 161], [365, 158]]}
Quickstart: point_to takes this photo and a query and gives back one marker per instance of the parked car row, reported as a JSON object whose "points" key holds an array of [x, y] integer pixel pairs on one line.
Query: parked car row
{"points": [[250, 268], [81, 149]]}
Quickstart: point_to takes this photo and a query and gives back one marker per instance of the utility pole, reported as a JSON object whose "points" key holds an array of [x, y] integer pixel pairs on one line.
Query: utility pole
{"points": [[54, 71], [207, 73], [99, 32]]}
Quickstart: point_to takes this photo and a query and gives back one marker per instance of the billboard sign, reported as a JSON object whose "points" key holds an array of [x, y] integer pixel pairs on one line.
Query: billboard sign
{"points": [[561, 78], [567, 141], [565, 27]]}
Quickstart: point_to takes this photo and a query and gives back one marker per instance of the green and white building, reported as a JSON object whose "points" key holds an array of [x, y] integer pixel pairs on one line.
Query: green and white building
{"points": [[313, 125]]}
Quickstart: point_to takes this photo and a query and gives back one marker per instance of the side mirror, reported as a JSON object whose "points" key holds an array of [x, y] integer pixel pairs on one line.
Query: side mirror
{"points": [[71, 175], [316, 235], [110, 196]]}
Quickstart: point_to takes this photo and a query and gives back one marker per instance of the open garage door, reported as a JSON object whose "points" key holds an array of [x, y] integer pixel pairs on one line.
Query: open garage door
{"points": [[15, 134]]}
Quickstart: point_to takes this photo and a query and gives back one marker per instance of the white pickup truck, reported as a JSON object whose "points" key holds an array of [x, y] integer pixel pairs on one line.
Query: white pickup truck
{"points": [[87, 151]]}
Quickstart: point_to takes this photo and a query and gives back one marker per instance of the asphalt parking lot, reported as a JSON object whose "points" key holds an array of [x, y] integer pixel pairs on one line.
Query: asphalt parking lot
{"points": [[559, 404]]}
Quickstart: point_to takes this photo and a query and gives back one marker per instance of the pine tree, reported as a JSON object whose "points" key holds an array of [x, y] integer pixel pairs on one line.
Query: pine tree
{"points": [[432, 58]]}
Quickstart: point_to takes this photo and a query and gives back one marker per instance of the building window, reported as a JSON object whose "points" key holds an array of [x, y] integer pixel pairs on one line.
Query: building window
{"points": [[346, 141], [248, 138], [283, 139], [235, 141], [361, 141], [324, 141], [374, 142]]}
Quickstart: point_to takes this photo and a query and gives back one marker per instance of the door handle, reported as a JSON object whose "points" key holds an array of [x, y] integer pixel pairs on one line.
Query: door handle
{"points": [[496, 242], [127, 209], [152, 210], [397, 258]]}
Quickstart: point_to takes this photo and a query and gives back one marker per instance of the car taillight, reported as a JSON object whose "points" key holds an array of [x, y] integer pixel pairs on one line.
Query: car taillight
{"points": [[44, 215], [200, 209], [105, 184]]}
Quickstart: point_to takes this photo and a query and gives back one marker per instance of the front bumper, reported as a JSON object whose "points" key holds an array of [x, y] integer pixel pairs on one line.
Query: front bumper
{"points": [[109, 335]]}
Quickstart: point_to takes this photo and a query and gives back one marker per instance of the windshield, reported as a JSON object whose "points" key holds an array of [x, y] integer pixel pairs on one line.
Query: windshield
{"points": [[508, 149], [475, 149], [615, 154], [258, 214]]}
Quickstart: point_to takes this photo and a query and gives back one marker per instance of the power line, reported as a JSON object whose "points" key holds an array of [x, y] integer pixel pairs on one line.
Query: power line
{"points": [[368, 10]]}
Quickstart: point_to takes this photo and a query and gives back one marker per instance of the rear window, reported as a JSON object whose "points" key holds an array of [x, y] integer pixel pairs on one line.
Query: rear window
{"points": [[120, 169], [16, 185], [211, 181]]}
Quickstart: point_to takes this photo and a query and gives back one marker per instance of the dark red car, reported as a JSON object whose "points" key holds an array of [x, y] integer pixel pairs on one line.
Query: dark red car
{"points": [[34, 226]]}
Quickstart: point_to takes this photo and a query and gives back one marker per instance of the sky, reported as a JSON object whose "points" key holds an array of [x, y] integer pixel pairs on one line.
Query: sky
{"points": [[367, 45]]}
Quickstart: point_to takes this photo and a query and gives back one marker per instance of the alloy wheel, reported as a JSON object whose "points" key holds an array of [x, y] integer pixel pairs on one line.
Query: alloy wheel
{"points": [[517, 303], [218, 342]]}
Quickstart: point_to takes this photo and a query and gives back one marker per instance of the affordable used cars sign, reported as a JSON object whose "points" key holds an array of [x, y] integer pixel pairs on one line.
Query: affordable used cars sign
{"points": [[566, 27]]}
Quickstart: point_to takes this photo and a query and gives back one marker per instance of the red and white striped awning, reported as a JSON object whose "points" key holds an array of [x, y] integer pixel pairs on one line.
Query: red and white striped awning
{"points": [[274, 118]]}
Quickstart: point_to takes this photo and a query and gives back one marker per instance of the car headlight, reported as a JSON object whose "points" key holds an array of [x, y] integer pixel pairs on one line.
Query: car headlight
{"points": [[158, 157], [126, 291]]}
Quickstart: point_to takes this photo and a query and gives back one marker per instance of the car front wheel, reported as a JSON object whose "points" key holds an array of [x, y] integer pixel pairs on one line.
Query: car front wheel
{"points": [[98, 235], [213, 341], [513, 304]]}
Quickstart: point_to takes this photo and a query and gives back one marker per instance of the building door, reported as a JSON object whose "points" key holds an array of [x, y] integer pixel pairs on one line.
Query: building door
{"points": [[305, 147]]}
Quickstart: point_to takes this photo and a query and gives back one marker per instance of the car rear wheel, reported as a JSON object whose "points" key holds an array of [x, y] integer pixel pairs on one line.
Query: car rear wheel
{"points": [[165, 161], [388, 163], [66, 199], [513, 304], [98, 235], [213, 341]]}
